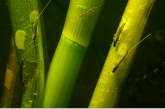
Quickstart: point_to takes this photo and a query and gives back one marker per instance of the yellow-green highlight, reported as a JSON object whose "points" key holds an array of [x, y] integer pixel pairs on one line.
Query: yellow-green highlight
{"points": [[107, 91]]}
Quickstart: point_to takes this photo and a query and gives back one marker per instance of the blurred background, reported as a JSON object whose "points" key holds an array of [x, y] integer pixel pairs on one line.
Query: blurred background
{"points": [[145, 85]]}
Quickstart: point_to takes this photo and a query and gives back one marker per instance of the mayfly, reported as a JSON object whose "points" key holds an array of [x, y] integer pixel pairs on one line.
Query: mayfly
{"points": [[90, 10], [116, 36], [36, 22], [118, 64]]}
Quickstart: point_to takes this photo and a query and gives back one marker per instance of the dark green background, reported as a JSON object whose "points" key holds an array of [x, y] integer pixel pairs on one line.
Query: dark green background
{"points": [[137, 91]]}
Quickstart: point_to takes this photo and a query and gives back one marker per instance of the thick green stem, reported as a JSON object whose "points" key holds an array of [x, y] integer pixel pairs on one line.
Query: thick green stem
{"points": [[79, 25]]}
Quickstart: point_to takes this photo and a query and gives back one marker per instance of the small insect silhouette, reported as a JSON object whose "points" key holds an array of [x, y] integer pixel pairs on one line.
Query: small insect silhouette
{"points": [[118, 64], [117, 35], [90, 10], [36, 23]]}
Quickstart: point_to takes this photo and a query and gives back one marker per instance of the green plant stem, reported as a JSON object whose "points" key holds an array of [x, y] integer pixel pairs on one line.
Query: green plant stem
{"points": [[71, 49], [23, 16], [118, 62]]}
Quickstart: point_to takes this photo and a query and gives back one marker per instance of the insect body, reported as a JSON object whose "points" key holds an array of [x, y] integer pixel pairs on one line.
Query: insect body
{"points": [[116, 36], [118, 64], [90, 10], [34, 32], [36, 22]]}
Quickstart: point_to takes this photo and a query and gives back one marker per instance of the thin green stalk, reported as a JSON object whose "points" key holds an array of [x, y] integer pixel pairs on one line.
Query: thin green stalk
{"points": [[118, 62], [28, 40], [62, 75]]}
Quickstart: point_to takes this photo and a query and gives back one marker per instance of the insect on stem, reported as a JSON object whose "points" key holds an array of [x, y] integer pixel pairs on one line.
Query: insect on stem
{"points": [[118, 64], [116, 36], [90, 10], [36, 23]]}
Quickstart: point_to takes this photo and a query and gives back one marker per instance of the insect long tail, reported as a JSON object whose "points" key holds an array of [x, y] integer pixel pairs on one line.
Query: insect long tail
{"points": [[139, 42]]}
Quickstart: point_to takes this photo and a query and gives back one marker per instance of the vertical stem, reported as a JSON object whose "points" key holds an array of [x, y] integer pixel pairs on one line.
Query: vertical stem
{"points": [[118, 62], [70, 52], [29, 51]]}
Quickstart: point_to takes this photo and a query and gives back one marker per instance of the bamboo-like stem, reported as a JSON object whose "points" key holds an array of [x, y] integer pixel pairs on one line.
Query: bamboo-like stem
{"points": [[79, 25], [118, 62]]}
